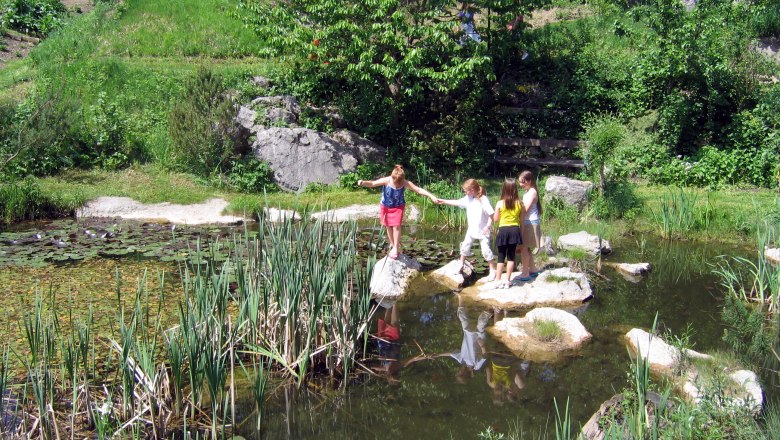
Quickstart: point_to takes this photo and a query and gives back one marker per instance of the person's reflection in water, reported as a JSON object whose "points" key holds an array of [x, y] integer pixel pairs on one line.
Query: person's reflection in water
{"points": [[471, 356], [505, 372], [389, 343]]}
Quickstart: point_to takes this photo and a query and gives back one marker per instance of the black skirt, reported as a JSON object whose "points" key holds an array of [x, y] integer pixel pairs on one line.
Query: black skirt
{"points": [[508, 235]]}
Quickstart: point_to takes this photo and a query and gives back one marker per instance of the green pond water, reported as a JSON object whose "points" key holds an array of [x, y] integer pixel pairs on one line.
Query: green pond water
{"points": [[427, 399]]}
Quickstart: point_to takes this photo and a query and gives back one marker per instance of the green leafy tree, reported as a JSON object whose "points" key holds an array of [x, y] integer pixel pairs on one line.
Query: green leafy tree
{"points": [[401, 50], [604, 135]]}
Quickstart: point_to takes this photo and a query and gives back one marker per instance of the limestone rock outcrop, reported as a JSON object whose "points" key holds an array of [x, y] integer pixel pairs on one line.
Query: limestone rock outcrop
{"points": [[554, 287], [570, 191], [592, 244], [391, 278], [520, 336]]}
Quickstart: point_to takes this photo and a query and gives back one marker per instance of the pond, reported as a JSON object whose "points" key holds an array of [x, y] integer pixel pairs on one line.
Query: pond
{"points": [[431, 397], [430, 400]]}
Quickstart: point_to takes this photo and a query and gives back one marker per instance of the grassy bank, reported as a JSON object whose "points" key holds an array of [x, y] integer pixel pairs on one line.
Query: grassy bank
{"points": [[730, 215]]}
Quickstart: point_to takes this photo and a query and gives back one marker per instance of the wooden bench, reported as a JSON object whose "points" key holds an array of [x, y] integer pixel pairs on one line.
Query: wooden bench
{"points": [[537, 152]]}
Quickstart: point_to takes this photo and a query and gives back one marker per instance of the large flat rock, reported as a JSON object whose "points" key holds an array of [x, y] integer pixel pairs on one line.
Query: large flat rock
{"points": [[519, 336], [208, 212], [555, 287]]}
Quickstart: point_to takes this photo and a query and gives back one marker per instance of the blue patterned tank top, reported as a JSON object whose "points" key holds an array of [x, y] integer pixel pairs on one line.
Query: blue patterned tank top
{"points": [[392, 198]]}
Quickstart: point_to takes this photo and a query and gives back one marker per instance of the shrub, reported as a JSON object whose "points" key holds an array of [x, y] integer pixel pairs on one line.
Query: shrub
{"points": [[765, 19], [202, 128], [252, 176], [104, 132], [604, 135], [39, 135], [34, 17], [618, 201], [365, 171]]}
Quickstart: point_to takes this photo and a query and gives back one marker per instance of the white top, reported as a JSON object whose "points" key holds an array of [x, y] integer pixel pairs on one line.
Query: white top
{"points": [[533, 212], [478, 213]]}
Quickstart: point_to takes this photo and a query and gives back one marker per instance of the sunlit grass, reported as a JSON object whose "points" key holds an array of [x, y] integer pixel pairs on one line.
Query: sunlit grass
{"points": [[184, 28], [547, 331]]}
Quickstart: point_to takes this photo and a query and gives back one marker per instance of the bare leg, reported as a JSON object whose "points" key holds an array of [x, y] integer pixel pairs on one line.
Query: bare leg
{"points": [[499, 271], [390, 236], [510, 266], [524, 254], [395, 240], [528, 261]]}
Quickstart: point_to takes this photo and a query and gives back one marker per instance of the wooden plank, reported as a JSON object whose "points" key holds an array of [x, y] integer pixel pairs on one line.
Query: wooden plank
{"points": [[566, 163], [549, 143]]}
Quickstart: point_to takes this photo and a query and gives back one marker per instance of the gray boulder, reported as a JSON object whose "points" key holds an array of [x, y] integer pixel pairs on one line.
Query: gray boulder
{"points": [[546, 245], [391, 278], [261, 81], [286, 102], [668, 361], [276, 116], [363, 149], [556, 287], [772, 255], [592, 244], [247, 118], [275, 215], [300, 156], [452, 276], [519, 336], [569, 191]]}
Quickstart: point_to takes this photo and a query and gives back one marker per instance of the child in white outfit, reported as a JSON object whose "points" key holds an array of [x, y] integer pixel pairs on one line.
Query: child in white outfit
{"points": [[479, 214]]}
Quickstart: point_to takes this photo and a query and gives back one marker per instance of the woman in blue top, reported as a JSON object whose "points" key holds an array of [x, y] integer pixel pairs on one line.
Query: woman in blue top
{"points": [[392, 204]]}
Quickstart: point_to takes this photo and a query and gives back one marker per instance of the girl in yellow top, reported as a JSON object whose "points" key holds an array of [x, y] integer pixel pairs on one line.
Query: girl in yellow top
{"points": [[507, 215]]}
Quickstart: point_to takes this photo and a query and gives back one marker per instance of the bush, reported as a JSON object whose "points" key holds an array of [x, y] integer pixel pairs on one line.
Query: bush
{"points": [[34, 17], [202, 127], [252, 176], [104, 131], [618, 201], [765, 19], [39, 136], [365, 171], [604, 135]]}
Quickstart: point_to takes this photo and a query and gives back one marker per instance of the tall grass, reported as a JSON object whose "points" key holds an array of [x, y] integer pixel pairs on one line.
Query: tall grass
{"points": [[681, 213], [24, 200]]}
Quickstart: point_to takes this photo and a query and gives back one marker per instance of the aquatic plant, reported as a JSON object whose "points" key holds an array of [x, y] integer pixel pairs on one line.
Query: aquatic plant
{"points": [[285, 302], [547, 331], [562, 422], [750, 281], [681, 213]]}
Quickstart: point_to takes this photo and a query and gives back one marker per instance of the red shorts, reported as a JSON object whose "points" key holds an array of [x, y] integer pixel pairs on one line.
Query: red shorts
{"points": [[391, 216], [388, 332]]}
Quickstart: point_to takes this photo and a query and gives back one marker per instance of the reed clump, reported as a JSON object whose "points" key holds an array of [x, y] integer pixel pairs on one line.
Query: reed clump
{"points": [[290, 302]]}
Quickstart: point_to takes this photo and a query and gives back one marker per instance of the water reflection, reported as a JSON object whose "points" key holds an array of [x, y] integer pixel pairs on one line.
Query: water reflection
{"points": [[471, 356], [505, 374]]}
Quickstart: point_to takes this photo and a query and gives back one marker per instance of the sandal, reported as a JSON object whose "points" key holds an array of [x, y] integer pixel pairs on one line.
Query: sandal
{"points": [[534, 274]]}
